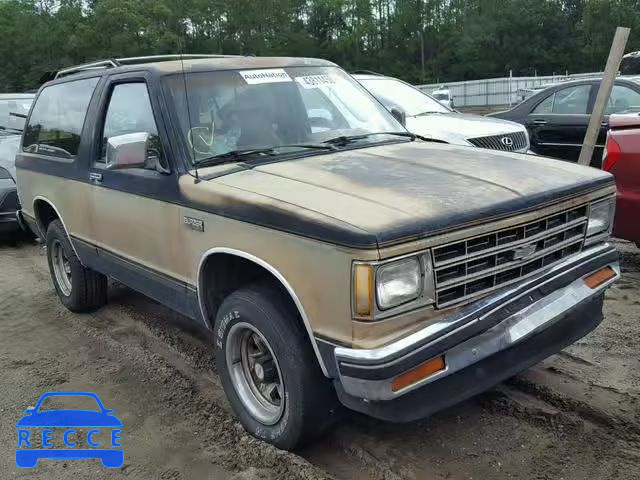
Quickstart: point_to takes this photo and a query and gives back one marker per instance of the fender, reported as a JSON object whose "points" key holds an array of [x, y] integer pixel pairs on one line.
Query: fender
{"points": [[40, 226], [275, 273]]}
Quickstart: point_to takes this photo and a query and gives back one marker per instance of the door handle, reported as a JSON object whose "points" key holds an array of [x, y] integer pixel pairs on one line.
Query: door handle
{"points": [[539, 121], [95, 177]]}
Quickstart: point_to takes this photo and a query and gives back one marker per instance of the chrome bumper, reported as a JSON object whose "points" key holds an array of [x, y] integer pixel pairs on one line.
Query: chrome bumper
{"points": [[478, 331]]}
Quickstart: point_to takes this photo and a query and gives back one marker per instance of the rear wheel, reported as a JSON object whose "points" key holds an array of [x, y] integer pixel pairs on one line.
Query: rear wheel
{"points": [[80, 289], [268, 370]]}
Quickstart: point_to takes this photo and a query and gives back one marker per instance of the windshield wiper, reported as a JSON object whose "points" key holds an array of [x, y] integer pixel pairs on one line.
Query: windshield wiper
{"points": [[346, 139], [429, 113], [232, 156], [238, 155]]}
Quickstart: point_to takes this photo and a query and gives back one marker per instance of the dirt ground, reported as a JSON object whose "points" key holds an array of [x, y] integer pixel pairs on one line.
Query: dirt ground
{"points": [[575, 416]]}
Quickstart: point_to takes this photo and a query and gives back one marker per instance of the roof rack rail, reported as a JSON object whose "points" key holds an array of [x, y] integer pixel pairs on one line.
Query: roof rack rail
{"points": [[117, 62]]}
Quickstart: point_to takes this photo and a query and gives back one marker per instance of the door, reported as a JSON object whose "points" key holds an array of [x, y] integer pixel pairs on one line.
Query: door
{"points": [[558, 123], [136, 218]]}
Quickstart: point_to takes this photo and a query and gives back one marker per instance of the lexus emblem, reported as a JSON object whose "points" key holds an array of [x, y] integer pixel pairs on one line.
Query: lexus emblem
{"points": [[507, 141]]}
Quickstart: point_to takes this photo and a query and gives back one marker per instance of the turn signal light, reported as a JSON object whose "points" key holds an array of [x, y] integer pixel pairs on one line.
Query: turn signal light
{"points": [[598, 278], [611, 154], [363, 289], [419, 373]]}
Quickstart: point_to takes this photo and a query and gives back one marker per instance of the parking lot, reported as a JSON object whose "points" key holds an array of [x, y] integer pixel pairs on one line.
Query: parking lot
{"points": [[575, 416]]}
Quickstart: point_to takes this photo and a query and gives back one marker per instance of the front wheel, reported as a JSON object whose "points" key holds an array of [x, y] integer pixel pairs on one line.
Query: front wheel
{"points": [[268, 370]]}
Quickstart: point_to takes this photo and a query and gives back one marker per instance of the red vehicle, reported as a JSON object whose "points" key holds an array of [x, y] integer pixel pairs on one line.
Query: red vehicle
{"points": [[622, 158]]}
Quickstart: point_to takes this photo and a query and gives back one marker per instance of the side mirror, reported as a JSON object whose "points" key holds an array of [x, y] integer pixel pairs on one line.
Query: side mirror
{"points": [[127, 151], [399, 115]]}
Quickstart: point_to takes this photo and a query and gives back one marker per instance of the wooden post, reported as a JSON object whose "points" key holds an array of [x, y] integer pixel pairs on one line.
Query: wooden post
{"points": [[610, 71]]}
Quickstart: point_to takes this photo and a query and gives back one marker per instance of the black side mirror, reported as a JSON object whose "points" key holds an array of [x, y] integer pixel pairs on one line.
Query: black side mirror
{"points": [[399, 115]]}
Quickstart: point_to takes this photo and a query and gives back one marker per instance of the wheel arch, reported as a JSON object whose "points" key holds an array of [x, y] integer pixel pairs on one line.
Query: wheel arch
{"points": [[45, 212], [218, 252]]}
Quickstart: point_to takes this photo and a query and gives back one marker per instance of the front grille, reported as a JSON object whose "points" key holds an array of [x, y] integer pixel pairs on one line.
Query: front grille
{"points": [[476, 266], [516, 141]]}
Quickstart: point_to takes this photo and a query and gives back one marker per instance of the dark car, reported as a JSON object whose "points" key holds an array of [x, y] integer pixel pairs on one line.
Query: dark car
{"points": [[558, 116], [13, 110], [622, 159]]}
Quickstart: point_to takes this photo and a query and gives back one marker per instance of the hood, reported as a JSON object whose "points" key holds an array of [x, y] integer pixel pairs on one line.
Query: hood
{"points": [[457, 127], [388, 194], [8, 148]]}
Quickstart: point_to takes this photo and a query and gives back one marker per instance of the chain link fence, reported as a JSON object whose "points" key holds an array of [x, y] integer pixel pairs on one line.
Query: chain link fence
{"points": [[505, 91]]}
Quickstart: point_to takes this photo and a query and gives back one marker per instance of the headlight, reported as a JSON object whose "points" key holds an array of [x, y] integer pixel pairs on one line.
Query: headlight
{"points": [[387, 288], [398, 283], [600, 217]]}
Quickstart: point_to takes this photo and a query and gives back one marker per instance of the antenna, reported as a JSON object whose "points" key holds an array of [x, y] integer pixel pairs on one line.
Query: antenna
{"points": [[186, 98]]}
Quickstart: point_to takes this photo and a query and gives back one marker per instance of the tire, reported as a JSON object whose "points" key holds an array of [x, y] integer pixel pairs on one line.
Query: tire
{"points": [[307, 398], [87, 289]]}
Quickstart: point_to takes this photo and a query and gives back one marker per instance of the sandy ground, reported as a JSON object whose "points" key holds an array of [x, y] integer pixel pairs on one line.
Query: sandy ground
{"points": [[575, 416]]}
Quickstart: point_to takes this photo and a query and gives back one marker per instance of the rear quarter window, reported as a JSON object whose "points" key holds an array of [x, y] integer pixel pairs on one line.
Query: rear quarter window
{"points": [[56, 122]]}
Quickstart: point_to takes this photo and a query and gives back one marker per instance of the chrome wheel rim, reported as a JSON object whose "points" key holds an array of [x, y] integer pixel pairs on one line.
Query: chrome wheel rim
{"points": [[61, 268], [255, 373]]}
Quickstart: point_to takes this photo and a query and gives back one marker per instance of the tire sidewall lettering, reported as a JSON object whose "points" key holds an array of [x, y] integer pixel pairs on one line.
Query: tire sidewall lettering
{"points": [[223, 327]]}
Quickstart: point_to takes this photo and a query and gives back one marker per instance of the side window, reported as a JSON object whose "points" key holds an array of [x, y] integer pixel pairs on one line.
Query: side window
{"points": [[57, 119], [572, 100], [622, 98], [129, 111], [545, 106]]}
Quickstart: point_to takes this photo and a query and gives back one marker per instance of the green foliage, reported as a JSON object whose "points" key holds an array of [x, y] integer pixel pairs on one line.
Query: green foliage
{"points": [[418, 40]]}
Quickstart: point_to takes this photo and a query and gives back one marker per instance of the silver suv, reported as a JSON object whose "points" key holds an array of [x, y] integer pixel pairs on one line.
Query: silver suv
{"points": [[427, 117]]}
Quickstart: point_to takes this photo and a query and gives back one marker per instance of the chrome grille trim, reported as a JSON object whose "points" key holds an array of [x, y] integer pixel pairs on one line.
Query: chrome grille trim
{"points": [[478, 265], [494, 142], [513, 263]]}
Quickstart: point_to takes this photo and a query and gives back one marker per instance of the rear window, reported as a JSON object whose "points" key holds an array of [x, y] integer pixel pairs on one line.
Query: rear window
{"points": [[56, 122]]}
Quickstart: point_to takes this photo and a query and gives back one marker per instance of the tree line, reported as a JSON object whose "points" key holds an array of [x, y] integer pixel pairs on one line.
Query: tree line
{"points": [[418, 40]]}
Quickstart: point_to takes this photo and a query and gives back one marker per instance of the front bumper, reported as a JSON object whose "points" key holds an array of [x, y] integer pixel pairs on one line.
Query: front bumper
{"points": [[9, 222], [482, 344]]}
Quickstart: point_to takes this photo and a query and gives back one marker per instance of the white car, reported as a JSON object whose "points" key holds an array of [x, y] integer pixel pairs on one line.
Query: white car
{"points": [[429, 118], [443, 95]]}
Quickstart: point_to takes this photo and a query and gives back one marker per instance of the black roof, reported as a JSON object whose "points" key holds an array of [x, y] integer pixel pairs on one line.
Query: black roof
{"points": [[170, 64]]}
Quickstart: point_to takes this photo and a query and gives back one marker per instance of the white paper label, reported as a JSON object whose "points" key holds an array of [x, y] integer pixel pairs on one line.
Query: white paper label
{"points": [[315, 81], [270, 75]]}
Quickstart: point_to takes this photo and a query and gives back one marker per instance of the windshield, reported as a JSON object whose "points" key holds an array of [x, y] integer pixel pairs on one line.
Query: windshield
{"points": [[19, 107], [441, 96], [393, 93], [236, 110], [69, 402]]}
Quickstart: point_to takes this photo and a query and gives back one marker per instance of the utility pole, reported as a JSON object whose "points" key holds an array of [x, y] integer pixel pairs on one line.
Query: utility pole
{"points": [[610, 71], [422, 51]]}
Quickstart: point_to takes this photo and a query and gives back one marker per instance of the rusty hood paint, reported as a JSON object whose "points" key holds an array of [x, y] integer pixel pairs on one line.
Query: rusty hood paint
{"points": [[388, 194]]}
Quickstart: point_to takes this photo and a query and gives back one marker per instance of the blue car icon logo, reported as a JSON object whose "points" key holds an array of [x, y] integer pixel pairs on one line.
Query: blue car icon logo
{"points": [[36, 434]]}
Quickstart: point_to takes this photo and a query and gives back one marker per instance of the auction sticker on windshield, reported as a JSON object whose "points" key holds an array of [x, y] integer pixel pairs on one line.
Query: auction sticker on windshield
{"points": [[269, 75], [315, 81], [69, 433]]}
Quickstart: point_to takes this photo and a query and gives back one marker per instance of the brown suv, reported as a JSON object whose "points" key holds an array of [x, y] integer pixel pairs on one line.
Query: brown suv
{"points": [[333, 255]]}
